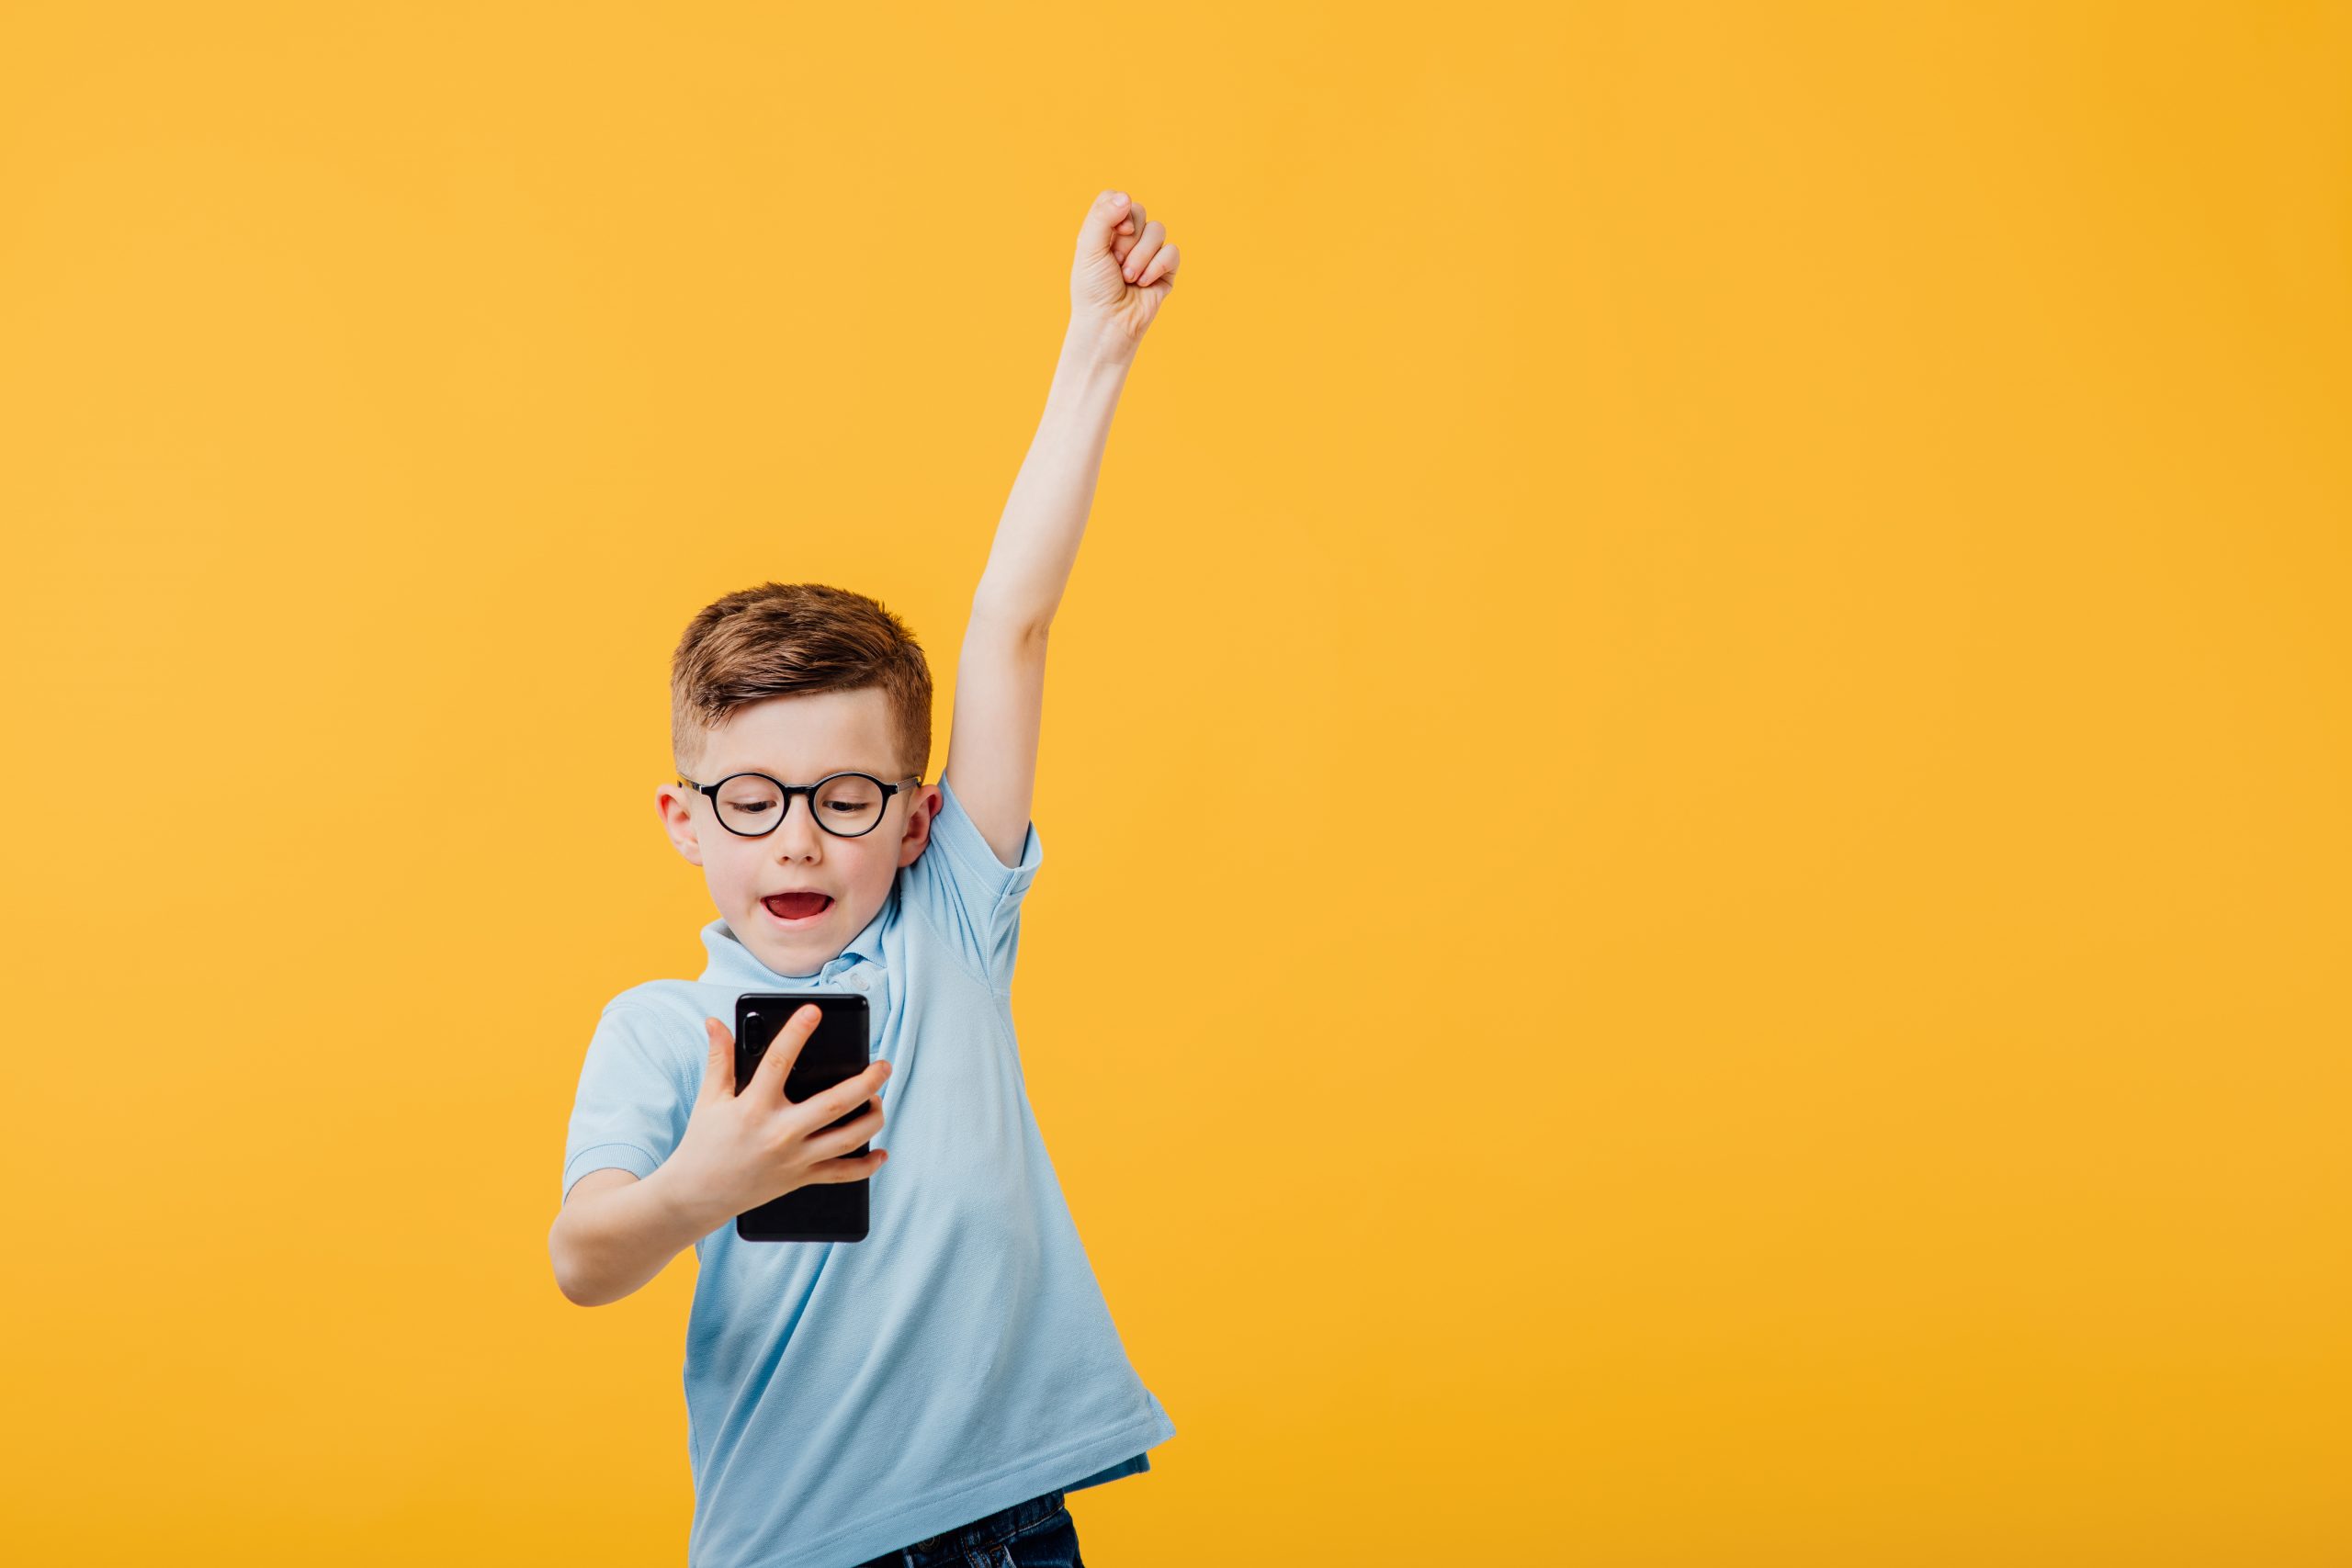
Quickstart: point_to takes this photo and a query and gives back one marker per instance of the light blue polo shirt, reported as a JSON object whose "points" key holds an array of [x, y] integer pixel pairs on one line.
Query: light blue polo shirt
{"points": [[844, 1398]]}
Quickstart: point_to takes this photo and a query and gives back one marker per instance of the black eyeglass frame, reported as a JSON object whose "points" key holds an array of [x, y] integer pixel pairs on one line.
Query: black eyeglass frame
{"points": [[789, 791]]}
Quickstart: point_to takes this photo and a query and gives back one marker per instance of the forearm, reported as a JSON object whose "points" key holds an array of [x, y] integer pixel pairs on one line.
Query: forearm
{"points": [[1038, 537], [606, 1244]]}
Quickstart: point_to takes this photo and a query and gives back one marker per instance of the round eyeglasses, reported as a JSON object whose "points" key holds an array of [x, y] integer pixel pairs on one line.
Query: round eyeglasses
{"points": [[844, 804]]}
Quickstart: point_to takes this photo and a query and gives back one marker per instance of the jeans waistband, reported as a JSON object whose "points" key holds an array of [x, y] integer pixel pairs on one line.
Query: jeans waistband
{"points": [[983, 1533]]}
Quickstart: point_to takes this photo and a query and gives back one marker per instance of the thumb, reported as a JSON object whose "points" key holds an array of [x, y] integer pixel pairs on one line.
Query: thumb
{"points": [[719, 1066], [1109, 211]]}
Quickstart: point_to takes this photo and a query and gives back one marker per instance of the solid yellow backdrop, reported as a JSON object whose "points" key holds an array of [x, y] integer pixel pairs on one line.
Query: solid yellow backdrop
{"points": [[1693, 788]]}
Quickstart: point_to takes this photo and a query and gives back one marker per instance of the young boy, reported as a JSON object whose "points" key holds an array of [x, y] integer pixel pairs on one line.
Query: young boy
{"points": [[928, 1394]]}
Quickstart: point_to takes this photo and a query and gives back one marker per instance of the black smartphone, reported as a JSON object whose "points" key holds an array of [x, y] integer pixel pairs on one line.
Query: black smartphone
{"points": [[823, 1210]]}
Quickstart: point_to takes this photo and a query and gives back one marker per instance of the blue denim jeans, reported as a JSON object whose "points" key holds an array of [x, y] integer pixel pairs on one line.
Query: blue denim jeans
{"points": [[1036, 1534]]}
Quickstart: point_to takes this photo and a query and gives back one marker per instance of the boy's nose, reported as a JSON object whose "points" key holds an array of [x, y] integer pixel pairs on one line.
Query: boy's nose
{"points": [[798, 826]]}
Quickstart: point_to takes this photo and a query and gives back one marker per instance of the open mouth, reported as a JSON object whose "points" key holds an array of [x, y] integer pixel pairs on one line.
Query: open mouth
{"points": [[790, 909]]}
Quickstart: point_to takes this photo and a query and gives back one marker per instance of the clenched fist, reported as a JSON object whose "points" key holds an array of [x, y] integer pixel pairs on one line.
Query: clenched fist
{"points": [[1125, 268]]}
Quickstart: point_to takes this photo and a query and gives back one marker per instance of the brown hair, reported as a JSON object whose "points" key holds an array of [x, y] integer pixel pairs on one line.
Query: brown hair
{"points": [[790, 639]]}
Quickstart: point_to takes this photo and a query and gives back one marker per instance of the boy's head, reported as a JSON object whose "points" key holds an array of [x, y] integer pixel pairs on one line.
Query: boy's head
{"points": [[798, 682]]}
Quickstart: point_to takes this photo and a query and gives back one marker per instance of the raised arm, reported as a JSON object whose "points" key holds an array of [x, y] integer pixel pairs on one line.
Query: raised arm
{"points": [[1123, 273]]}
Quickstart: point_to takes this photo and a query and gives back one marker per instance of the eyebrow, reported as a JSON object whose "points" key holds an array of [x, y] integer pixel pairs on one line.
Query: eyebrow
{"points": [[730, 773]]}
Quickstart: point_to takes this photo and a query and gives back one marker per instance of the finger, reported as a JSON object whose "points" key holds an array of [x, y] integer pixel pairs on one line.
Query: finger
{"points": [[849, 1094], [1147, 246], [1162, 268], [849, 1168], [841, 1140], [784, 1049], [1109, 210], [1127, 235], [719, 1066]]}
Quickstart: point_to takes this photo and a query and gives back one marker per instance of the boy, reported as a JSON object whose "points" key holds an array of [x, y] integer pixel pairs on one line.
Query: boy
{"points": [[930, 1393]]}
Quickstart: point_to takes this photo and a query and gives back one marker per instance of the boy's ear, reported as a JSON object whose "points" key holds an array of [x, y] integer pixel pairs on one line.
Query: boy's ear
{"points": [[676, 807], [920, 813]]}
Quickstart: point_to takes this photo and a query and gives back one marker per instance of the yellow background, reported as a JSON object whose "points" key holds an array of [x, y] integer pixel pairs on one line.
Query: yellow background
{"points": [[1694, 784]]}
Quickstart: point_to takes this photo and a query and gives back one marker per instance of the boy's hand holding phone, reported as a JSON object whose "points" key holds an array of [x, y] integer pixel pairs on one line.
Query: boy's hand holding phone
{"points": [[740, 1150]]}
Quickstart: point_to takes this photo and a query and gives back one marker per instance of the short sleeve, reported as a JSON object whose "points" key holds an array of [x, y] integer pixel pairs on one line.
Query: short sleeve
{"points": [[971, 898], [633, 1102]]}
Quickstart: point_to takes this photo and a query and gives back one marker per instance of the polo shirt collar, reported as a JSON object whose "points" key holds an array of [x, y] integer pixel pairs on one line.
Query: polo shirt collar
{"points": [[732, 963]]}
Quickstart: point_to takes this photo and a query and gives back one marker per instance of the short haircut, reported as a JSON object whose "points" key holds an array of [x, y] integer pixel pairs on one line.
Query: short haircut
{"points": [[783, 639]]}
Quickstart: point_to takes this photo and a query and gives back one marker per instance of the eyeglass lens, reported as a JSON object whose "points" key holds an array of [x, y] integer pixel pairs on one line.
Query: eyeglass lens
{"points": [[847, 805]]}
